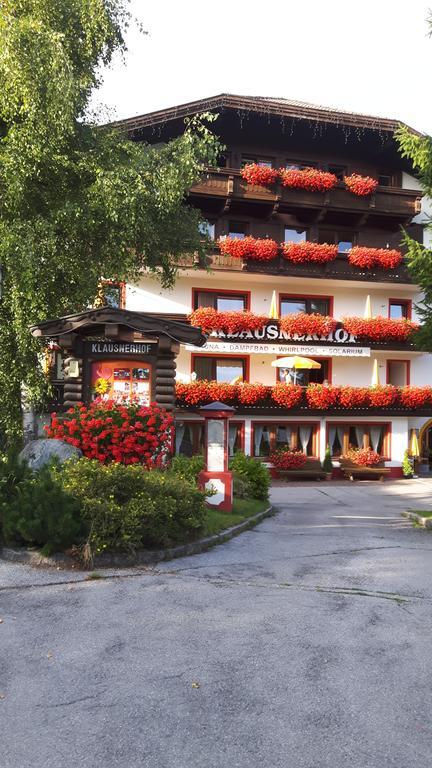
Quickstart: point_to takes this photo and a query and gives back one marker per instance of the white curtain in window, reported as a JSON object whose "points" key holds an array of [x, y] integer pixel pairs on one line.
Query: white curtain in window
{"points": [[375, 434], [305, 433], [258, 433], [360, 435], [179, 435], [232, 434], [200, 430], [266, 436], [288, 432], [340, 434], [332, 437]]}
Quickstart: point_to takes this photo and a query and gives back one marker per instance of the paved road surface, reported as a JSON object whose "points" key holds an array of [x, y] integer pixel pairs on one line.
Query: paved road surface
{"points": [[305, 643]]}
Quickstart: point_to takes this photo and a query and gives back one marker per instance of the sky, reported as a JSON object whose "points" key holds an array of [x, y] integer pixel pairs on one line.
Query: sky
{"points": [[371, 56]]}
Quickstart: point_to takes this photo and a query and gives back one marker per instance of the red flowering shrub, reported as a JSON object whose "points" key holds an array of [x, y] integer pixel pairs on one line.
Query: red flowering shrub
{"points": [[415, 397], [321, 397], [307, 178], [287, 395], [386, 258], [364, 457], [209, 319], [284, 458], [128, 432], [304, 324], [382, 397], [308, 251], [360, 185], [250, 394], [380, 328], [260, 249], [353, 397], [259, 174]]}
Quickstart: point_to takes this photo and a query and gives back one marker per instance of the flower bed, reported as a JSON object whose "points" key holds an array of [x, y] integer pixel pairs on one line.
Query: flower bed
{"points": [[366, 258], [259, 174], [108, 431], [310, 179], [307, 251], [304, 324], [285, 459], [363, 457], [360, 185], [258, 249], [209, 320], [380, 328]]}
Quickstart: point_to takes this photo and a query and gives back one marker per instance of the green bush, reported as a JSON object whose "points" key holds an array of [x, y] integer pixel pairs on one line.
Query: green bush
{"points": [[242, 489], [36, 510], [407, 465], [327, 464], [256, 474], [126, 507], [187, 468]]}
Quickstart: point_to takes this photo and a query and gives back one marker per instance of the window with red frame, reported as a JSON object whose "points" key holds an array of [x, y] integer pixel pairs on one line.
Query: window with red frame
{"points": [[304, 376], [290, 305], [298, 436], [221, 301], [114, 294], [222, 369], [398, 372], [342, 437], [399, 308]]}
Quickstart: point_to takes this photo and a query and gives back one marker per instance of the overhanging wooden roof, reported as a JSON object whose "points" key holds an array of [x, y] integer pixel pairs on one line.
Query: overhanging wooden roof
{"points": [[278, 107], [91, 320]]}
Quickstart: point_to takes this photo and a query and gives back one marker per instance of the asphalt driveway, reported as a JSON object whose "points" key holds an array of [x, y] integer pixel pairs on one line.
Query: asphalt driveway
{"points": [[304, 643]]}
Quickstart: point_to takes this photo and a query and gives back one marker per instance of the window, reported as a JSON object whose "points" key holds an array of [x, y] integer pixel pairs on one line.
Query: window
{"points": [[398, 372], [305, 377], [223, 302], [113, 294], [385, 179], [223, 369], [266, 437], [264, 162], [320, 305], [344, 239], [298, 165], [189, 437], [295, 235], [341, 437], [338, 170], [399, 308], [207, 228], [238, 229]]}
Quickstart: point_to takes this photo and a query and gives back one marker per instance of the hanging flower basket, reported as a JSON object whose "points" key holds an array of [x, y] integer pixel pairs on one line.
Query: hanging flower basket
{"points": [[285, 459], [303, 324], [366, 258], [299, 253], [360, 185], [259, 174], [310, 179], [249, 248], [363, 457], [380, 328]]}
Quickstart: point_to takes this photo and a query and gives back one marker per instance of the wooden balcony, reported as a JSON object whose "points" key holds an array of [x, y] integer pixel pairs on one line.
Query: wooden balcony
{"points": [[388, 202]]}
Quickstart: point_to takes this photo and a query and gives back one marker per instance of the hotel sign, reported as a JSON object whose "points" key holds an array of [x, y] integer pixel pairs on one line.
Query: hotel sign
{"points": [[272, 332], [231, 347], [99, 348]]}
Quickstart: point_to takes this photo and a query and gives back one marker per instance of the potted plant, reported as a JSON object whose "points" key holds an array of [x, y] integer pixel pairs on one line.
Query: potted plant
{"points": [[327, 464], [407, 466]]}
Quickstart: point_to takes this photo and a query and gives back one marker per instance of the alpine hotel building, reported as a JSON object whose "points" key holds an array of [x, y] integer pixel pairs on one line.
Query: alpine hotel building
{"points": [[305, 213]]}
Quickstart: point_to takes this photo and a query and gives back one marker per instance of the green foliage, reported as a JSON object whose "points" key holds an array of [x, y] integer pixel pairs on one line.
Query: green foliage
{"points": [[36, 510], [187, 468], [75, 193], [127, 507], [327, 464], [242, 488], [254, 472], [407, 465]]}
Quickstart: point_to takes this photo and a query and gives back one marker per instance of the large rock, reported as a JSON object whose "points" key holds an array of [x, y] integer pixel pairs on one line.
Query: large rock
{"points": [[37, 453]]}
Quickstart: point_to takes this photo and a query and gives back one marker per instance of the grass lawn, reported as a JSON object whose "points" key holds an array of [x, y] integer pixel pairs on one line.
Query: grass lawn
{"points": [[242, 509], [422, 512]]}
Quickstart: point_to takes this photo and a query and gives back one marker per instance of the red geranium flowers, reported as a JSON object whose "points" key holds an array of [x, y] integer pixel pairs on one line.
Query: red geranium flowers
{"points": [[386, 258], [308, 251], [360, 185], [380, 328], [286, 459], [311, 179], [259, 249], [259, 174]]}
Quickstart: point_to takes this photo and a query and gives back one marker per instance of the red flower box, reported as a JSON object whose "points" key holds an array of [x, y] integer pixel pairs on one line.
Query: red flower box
{"points": [[380, 328], [285, 459], [321, 397], [308, 178], [363, 257], [383, 397], [209, 320], [415, 397], [354, 397], [360, 185], [259, 249], [287, 395], [308, 251], [363, 457], [259, 174], [303, 324], [250, 394]]}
